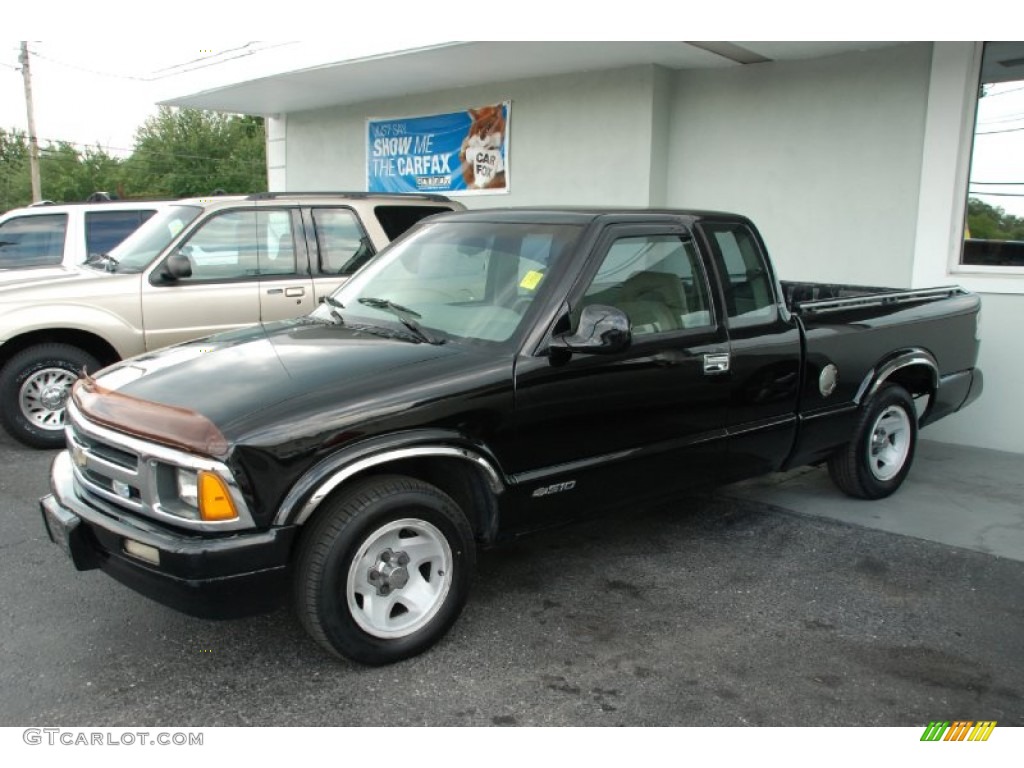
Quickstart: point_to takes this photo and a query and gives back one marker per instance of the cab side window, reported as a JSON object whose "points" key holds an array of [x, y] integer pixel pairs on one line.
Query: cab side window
{"points": [[33, 241], [657, 280], [749, 298]]}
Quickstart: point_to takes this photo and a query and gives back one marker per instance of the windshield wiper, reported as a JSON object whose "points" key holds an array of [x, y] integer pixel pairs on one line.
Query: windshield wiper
{"points": [[109, 262], [335, 305], [405, 315]]}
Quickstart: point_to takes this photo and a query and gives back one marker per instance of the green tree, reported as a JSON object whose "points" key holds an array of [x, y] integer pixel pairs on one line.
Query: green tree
{"points": [[987, 222], [15, 182], [187, 152], [68, 174]]}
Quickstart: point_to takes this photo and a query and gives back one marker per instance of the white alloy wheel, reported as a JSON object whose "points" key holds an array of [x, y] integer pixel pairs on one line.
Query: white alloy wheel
{"points": [[399, 578], [890, 443]]}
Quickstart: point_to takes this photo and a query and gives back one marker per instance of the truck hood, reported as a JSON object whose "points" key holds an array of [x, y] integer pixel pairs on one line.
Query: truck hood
{"points": [[275, 374]]}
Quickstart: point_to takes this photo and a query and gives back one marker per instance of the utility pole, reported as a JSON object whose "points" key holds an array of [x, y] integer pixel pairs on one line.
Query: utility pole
{"points": [[33, 143]]}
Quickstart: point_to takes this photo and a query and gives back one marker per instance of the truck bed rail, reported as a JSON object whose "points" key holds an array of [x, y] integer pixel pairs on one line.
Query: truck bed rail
{"points": [[824, 297]]}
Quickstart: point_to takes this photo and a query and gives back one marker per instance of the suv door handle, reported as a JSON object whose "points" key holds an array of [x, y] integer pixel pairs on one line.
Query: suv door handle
{"points": [[297, 291], [717, 362]]}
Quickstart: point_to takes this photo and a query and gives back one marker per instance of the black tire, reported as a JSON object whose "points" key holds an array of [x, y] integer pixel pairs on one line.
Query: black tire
{"points": [[36, 425], [351, 556], [876, 461]]}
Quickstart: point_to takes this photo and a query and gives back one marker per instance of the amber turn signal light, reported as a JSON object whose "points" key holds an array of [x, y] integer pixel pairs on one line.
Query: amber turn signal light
{"points": [[215, 502]]}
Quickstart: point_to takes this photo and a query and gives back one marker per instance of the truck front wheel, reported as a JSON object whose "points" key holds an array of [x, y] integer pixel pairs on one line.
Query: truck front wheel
{"points": [[876, 461], [34, 385], [384, 570]]}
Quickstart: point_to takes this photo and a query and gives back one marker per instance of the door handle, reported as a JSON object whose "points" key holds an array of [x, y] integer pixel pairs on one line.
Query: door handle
{"points": [[717, 362], [298, 291]]}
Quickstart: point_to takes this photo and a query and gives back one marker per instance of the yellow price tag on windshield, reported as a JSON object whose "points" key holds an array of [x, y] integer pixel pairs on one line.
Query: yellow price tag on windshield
{"points": [[531, 279]]}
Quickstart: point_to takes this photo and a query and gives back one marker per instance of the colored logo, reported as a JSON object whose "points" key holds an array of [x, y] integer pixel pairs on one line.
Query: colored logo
{"points": [[958, 730]]}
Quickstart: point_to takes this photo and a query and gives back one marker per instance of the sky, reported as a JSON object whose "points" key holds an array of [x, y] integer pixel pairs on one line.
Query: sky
{"points": [[89, 94], [999, 148]]}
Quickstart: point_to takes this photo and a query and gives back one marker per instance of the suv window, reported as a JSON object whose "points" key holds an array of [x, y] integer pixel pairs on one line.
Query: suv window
{"points": [[33, 241], [106, 229], [749, 299], [397, 219], [343, 245], [240, 244], [656, 280]]}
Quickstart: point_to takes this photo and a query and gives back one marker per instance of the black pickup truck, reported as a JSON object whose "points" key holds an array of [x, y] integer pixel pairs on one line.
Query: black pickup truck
{"points": [[490, 373]]}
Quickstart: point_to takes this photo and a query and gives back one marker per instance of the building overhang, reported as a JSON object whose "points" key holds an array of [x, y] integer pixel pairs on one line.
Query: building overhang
{"points": [[289, 82]]}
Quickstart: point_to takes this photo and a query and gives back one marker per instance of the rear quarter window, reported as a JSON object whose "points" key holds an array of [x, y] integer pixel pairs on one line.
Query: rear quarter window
{"points": [[395, 220], [106, 229], [33, 241]]}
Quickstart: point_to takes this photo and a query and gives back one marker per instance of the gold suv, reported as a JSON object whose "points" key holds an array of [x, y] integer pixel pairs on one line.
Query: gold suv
{"points": [[197, 267]]}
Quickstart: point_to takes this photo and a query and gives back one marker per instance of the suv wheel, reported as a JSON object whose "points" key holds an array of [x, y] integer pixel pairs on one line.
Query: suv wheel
{"points": [[34, 386], [384, 570]]}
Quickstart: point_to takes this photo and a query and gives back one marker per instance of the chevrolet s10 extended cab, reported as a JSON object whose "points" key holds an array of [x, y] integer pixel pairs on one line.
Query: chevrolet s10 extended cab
{"points": [[194, 268], [489, 373]]}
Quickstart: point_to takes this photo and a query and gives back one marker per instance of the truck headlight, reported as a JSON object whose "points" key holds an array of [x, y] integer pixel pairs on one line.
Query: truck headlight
{"points": [[208, 493], [188, 487]]}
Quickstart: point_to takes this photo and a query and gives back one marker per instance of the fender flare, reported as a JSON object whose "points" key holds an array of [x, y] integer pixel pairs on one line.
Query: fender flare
{"points": [[878, 375], [322, 478]]}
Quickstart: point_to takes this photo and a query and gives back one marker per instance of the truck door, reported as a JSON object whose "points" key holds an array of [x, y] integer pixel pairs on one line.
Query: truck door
{"points": [[764, 356], [599, 427]]}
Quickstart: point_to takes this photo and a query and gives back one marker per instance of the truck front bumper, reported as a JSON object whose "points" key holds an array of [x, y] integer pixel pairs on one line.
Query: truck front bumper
{"points": [[218, 577]]}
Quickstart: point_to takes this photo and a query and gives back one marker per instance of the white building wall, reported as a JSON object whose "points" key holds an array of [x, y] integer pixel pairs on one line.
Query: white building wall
{"points": [[823, 155], [277, 153], [574, 139]]}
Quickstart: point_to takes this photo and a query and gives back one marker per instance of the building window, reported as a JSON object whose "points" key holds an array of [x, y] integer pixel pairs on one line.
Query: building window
{"points": [[994, 235]]}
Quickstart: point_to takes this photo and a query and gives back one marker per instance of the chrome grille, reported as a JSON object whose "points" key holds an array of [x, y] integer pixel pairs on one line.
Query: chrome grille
{"points": [[138, 476]]}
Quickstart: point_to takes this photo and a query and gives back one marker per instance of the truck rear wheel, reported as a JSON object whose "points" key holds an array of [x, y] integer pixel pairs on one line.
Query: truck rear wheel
{"points": [[34, 385], [384, 570], [876, 461]]}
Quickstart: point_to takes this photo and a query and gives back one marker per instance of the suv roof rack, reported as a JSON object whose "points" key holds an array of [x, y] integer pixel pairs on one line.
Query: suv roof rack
{"points": [[355, 195]]}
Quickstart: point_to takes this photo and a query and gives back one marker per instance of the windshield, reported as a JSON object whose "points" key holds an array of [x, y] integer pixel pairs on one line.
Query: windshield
{"points": [[463, 280], [144, 244]]}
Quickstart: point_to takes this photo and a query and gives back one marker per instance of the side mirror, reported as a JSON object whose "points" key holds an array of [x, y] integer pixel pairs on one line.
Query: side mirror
{"points": [[602, 330], [177, 266]]}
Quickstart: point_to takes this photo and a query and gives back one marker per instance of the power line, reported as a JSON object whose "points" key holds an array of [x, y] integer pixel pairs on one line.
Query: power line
{"points": [[1004, 130], [997, 183], [137, 150], [998, 194], [205, 58], [1003, 93], [179, 68], [52, 60]]}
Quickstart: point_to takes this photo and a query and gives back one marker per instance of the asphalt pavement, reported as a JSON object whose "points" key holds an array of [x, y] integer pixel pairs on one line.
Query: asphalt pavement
{"points": [[714, 610]]}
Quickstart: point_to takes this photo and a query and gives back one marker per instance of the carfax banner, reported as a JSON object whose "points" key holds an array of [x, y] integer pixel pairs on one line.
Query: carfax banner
{"points": [[457, 153]]}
